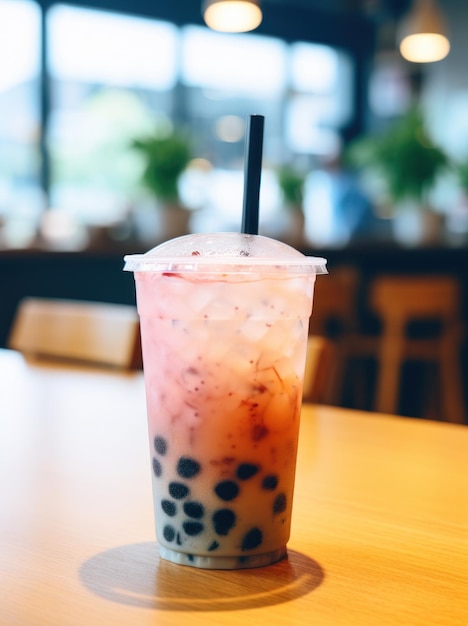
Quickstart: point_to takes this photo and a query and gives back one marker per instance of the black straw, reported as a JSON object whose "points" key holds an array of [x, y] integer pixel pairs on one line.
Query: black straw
{"points": [[252, 174]]}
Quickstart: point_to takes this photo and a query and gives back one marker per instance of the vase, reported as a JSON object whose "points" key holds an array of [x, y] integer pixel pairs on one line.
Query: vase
{"points": [[155, 223], [174, 220], [416, 225], [293, 233]]}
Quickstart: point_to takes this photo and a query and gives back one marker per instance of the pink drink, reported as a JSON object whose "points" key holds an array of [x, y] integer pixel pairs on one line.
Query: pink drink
{"points": [[224, 341]]}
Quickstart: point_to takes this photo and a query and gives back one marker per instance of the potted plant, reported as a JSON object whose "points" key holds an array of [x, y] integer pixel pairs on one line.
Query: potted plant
{"points": [[457, 219], [408, 162], [166, 155], [291, 183], [461, 171]]}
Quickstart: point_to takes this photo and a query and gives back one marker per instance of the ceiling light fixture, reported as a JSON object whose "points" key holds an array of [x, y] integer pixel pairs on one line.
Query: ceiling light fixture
{"points": [[422, 34], [232, 16]]}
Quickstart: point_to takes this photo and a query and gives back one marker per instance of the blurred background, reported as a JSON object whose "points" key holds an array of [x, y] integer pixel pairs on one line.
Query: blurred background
{"points": [[80, 82]]}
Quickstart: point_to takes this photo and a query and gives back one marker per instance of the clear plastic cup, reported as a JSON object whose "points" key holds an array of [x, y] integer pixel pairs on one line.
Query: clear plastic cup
{"points": [[224, 325]]}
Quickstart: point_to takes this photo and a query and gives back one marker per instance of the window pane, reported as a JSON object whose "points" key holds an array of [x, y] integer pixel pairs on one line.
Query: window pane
{"points": [[244, 64], [306, 129], [105, 93], [314, 68], [98, 47], [226, 78], [113, 76], [20, 195], [321, 102]]}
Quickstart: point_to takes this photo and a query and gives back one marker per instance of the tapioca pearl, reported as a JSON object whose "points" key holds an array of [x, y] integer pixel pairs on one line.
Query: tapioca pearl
{"points": [[169, 508], [178, 490], [169, 533], [223, 521], [178, 539], [252, 539], [157, 468], [246, 471], [227, 490], [187, 467], [160, 445], [193, 528], [270, 482], [213, 546], [194, 509], [280, 503]]}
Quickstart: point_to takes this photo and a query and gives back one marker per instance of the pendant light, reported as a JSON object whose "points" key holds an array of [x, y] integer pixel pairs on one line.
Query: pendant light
{"points": [[422, 34], [232, 16]]}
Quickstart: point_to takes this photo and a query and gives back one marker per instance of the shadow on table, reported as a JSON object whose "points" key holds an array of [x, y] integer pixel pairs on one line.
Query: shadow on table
{"points": [[135, 575]]}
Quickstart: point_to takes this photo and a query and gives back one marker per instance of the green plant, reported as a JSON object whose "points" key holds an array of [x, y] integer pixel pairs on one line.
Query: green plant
{"points": [[166, 157], [291, 184], [461, 171], [405, 155]]}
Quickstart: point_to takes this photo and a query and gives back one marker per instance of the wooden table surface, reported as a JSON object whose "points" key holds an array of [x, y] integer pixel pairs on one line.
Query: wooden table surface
{"points": [[379, 535]]}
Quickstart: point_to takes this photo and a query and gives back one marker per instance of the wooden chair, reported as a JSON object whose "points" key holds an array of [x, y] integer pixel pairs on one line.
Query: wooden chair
{"points": [[319, 368], [334, 315], [399, 300], [92, 332]]}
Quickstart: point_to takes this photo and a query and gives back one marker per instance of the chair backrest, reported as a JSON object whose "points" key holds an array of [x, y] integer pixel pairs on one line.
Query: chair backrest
{"points": [[335, 301], [93, 332], [318, 369], [415, 297]]}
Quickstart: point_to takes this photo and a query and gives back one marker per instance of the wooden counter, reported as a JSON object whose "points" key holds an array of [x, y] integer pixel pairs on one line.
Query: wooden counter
{"points": [[380, 522]]}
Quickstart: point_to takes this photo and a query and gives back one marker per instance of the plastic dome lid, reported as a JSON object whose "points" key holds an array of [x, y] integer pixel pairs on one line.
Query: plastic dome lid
{"points": [[224, 252]]}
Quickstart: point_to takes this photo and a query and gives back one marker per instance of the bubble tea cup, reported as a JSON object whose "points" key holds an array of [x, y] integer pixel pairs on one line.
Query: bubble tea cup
{"points": [[224, 325]]}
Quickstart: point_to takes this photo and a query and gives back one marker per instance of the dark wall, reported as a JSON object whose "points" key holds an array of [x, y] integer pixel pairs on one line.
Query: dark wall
{"points": [[96, 277]]}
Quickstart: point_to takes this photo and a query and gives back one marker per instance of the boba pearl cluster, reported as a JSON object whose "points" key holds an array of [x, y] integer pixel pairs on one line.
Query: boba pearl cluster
{"points": [[197, 520]]}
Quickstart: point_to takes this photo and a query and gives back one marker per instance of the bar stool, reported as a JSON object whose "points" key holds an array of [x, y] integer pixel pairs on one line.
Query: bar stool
{"points": [[334, 316], [398, 300], [318, 369]]}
